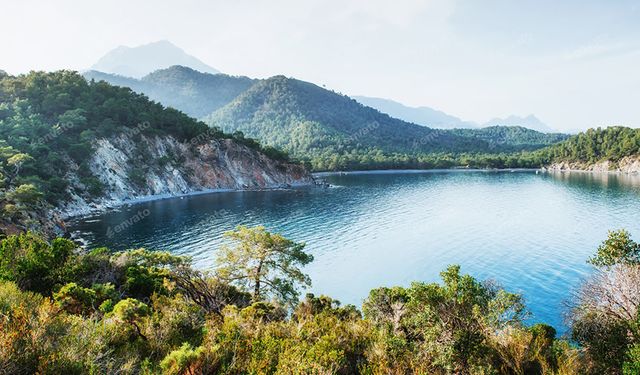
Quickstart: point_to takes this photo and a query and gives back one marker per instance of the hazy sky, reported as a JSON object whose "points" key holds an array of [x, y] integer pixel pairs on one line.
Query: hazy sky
{"points": [[574, 64]]}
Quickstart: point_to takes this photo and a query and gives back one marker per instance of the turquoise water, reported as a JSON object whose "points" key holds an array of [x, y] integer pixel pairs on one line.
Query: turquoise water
{"points": [[530, 232]]}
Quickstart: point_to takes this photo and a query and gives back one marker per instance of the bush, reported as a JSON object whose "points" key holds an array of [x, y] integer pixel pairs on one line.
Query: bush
{"points": [[33, 263]]}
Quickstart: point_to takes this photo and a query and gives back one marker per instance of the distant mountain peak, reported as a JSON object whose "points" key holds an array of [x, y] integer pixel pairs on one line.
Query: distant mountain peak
{"points": [[530, 121], [423, 115], [139, 61]]}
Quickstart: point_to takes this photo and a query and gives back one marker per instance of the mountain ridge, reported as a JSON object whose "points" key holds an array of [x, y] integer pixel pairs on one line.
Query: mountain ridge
{"points": [[334, 131], [195, 93], [70, 146], [141, 60], [529, 121], [422, 115]]}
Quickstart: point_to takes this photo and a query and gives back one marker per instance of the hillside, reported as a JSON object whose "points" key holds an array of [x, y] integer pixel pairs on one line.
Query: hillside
{"points": [[69, 146], [333, 131], [515, 137], [601, 149], [194, 93], [418, 115], [139, 61], [303, 118], [530, 122]]}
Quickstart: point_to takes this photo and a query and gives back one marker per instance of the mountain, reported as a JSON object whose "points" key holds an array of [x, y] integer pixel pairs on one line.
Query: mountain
{"points": [[516, 137], [333, 131], [68, 146], [300, 116], [195, 93], [139, 61], [418, 115], [530, 122]]}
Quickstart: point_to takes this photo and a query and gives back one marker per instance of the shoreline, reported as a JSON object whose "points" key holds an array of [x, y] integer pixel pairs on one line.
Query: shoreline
{"points": [[106, 206], [71, 215], [419, 171], [591, 171]]}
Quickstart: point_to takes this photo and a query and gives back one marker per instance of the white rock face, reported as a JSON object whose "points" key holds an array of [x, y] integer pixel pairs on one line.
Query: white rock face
{"points": [[136, 168], [627, 165]]}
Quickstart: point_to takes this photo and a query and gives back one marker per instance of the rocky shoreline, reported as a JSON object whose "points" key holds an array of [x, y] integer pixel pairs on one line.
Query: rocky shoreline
{"points": [[106, 205], [131, 169], [130, 172], [626, 165]]}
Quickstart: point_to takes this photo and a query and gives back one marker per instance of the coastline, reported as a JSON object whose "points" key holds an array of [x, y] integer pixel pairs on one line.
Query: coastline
{"points": [[629, 165], [72, 213], [105, 206], [420, 171]]}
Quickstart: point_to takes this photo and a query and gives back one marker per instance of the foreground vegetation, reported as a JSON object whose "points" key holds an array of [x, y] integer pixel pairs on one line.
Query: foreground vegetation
{"points": [[65, 311]]}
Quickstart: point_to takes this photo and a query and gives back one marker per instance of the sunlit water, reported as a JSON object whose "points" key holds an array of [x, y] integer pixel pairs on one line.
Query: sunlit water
{"points": [[530, 232]]}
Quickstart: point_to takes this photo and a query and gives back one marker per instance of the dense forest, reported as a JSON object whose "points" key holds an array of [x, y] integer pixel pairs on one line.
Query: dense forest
{"points": [[332, 131], [612, 143], [67, 311], [49, 123], [515, 137]]}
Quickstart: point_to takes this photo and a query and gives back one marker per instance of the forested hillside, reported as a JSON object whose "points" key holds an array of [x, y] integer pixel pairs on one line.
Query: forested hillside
{"points": [[515, 137], [594, 145], [333, 131], [194, 93], [65, 139], [306, 119]]}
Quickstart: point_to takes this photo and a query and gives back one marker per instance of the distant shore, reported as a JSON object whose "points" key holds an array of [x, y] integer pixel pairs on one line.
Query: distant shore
{"points": [[419, 171]]}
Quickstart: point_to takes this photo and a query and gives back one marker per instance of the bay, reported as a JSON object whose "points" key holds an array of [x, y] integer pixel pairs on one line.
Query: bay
{"points": [[530, 232]]}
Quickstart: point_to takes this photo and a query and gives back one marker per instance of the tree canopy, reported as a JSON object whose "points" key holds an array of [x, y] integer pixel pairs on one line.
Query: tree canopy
{"points": [[265, 263]]}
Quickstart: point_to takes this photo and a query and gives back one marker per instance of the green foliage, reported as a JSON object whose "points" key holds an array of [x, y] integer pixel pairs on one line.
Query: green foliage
{"points": [[194, 93], [180, 361], [34, 264], [631, 365], [334, 132], [94, 322], [25, 194], [516, 138], [605, 319], [612, 143], [456, 316], [49, 123], [265, 263], [75, 299], [618, 248]]}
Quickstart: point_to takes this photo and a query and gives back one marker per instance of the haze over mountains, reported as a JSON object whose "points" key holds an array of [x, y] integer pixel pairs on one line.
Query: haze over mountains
{"points": [[425, 116], [327, 129], [194, 93], [199, 95], [437, 119], [139, 61], [530, 121]]}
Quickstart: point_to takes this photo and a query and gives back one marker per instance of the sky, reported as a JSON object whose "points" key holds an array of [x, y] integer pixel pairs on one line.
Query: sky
{"points": [[575, 64]]}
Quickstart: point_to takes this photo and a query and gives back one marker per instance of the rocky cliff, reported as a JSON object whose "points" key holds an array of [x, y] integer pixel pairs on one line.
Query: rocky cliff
{"points": [[628, 165], [135, 168]]}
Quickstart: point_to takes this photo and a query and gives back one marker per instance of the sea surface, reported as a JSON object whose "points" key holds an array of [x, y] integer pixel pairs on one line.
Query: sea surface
{"points": [[531, 232]]}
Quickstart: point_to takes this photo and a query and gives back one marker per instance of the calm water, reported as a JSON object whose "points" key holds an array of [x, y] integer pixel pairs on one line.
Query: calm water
{"points": [[530, 232]]}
